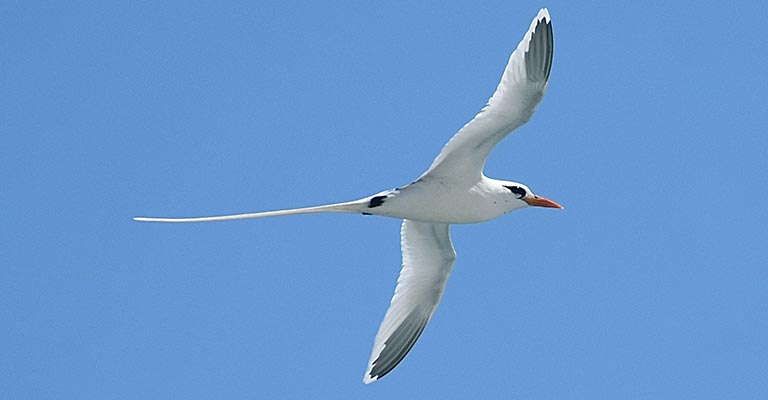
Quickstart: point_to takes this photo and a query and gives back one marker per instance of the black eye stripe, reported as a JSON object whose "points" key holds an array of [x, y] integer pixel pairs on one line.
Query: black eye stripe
{"points": [[520, 192]]}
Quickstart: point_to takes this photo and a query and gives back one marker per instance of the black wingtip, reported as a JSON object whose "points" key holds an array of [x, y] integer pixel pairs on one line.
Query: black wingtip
{"points": [[541, 49], [399, 344]]}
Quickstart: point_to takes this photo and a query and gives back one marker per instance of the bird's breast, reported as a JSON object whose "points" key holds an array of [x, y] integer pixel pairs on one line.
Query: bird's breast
{"points": [[439, 203]]}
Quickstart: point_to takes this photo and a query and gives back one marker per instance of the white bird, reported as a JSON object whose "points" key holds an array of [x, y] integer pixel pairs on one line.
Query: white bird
{"points": [[453, 190]]}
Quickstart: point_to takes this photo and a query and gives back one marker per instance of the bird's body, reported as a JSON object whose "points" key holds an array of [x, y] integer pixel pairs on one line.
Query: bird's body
{"points": [[453, 190], [432, 199]]}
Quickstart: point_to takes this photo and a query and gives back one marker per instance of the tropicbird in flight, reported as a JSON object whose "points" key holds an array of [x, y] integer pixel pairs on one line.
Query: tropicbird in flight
{"points": [[453, 190]]}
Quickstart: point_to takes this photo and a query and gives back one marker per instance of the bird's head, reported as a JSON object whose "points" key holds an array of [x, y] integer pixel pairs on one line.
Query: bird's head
{"points": [[524, 195]]}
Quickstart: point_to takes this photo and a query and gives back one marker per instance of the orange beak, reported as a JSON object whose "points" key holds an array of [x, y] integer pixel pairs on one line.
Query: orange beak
{"points": [[538, 201]]}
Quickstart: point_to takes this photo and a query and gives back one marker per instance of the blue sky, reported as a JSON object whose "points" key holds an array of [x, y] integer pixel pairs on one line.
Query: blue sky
{"points": [[651, 284]]}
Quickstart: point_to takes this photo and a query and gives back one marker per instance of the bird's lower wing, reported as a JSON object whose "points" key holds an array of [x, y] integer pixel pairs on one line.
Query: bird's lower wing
{"points": [[521, 89], [428, 258]]}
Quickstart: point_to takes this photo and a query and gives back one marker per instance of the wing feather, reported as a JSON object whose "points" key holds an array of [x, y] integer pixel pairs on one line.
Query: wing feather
{"points": [[428, 258], [519, 92]]}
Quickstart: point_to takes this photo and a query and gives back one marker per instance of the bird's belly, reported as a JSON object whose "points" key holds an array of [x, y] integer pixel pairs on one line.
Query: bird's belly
{"points": [[451, 207]]}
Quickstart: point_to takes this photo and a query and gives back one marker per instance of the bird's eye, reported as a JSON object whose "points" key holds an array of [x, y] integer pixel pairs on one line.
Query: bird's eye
{"points": [[517, 190]]}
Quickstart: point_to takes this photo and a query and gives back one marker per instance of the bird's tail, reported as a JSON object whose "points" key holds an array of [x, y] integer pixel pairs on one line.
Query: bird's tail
{"points": [[356, 206]]}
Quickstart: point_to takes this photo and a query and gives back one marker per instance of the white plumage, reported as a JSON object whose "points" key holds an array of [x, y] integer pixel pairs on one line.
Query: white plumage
{"points": [[453, 190]]}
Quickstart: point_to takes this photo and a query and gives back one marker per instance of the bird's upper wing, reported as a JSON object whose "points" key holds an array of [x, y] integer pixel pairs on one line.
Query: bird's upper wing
{"points": [[521, 89], [428, 257]]}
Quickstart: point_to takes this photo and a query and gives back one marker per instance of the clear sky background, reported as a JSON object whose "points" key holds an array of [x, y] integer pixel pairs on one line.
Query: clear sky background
{"points": [[651, 284]]}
